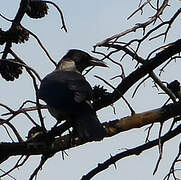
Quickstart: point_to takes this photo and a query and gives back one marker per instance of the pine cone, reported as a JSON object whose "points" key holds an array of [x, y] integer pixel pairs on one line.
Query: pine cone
{"points": [[99, 93], [37, 9], [16, 34], [9, 70], [174, 86]]}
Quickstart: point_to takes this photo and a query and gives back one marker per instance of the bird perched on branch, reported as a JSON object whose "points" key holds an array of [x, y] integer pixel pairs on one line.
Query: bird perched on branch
{"points": [[68, 95]]}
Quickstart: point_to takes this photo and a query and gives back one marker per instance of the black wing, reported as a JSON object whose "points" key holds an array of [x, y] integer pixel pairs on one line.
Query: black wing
{"points": [[60, 87]]}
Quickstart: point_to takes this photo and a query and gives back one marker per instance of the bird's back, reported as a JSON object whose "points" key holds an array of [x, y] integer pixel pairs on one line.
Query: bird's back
{"points": [[63, 89], [68, 95]]}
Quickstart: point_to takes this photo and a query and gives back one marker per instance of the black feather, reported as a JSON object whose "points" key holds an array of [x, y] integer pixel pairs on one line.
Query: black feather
{"points": [[68, 96]]}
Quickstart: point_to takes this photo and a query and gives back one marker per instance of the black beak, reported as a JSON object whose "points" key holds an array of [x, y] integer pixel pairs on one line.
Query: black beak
{"points": [[96, 62]]}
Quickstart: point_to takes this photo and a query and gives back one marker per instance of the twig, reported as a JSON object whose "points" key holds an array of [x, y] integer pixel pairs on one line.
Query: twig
{"points": [[113, 61], [139, 86], [134, 151], [27, 101], [8, 108], [36, 91], [60, 12], [160, 146], [8, 174], [172, 168], [42, 162], [2, 121], [163, 87], [131, 109], [148, 134], [7, 132], [140, 72], [41, 45], [137, 26], [5, 18], [33, 108], [139, 9], [171, 59], [17, 165]]}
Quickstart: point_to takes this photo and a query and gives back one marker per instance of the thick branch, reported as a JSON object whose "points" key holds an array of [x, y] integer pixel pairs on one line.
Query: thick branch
{"points": [[21, 11], [134, 151], [139, 73], [44, 146]]}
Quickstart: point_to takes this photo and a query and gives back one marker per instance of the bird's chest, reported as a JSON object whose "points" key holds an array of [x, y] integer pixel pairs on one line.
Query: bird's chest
{"points": [[59, 95]]}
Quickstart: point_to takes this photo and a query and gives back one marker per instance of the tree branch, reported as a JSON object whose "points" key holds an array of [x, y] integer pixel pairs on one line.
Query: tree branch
{"points": [[45, 144], [139, 73], [134, 151]]}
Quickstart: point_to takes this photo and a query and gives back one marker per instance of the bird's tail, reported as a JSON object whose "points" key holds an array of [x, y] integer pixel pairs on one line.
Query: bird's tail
{"points": [[87, 126]]}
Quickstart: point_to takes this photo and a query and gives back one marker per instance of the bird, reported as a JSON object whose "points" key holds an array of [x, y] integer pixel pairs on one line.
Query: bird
{"points": [[69, 95]]}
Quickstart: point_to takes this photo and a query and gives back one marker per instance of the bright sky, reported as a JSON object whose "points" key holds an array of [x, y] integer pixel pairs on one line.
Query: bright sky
{"points": [[88, 22]]}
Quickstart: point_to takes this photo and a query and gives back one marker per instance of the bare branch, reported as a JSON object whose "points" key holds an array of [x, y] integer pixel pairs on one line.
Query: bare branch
{"points": [[41, 45], [61, 14], [139, 85], [42, 162], [36, 91], [137, 26], [131, 109], [140, 72], [134, 151], [148, 134], [160, 146], [17, 165], [5, 18], [2, 121], [139, 9], [172, 168]]}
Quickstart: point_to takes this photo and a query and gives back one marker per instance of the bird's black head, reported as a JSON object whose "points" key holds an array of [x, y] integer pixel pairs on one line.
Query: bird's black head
{"points": [[79, 60]]}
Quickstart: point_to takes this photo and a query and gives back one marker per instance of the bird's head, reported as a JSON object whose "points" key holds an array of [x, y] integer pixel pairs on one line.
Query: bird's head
{"points": [[77, 60]]}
